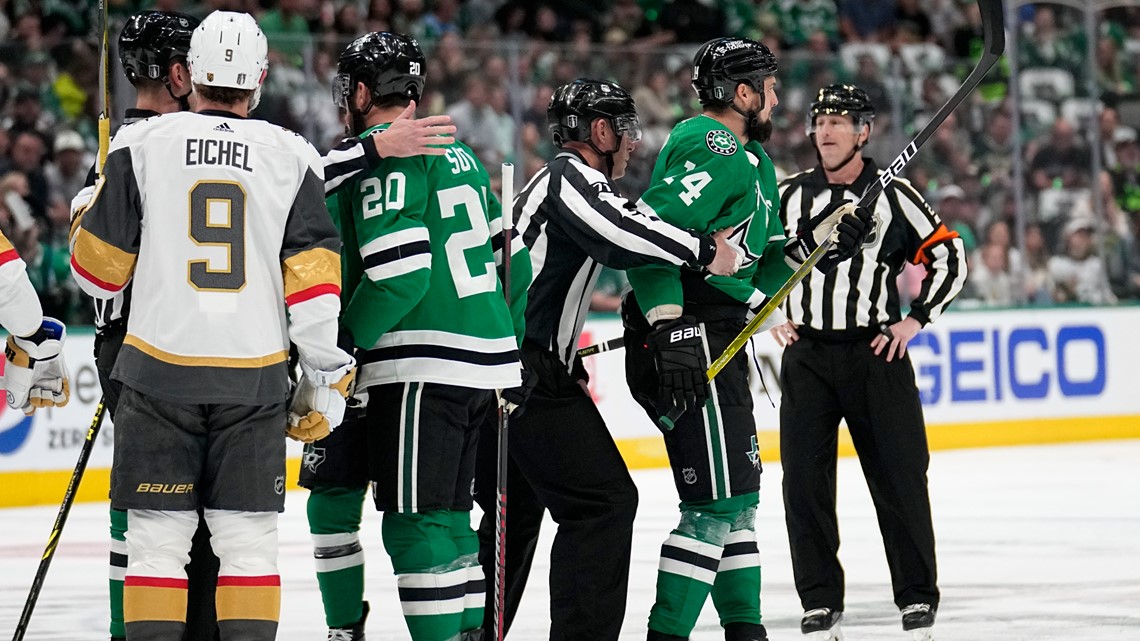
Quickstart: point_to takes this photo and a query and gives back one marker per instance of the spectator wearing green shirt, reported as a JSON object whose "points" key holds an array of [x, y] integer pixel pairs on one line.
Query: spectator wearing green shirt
{"points": [[287, 30]]}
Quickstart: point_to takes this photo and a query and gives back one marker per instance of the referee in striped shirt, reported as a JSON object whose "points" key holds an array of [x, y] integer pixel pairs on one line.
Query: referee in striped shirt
{"points": [[846, 360]]}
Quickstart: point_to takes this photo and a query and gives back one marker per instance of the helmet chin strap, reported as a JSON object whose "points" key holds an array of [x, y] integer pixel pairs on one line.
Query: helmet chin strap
{"points": [[358, 125], [752, 125], [608, 155]]}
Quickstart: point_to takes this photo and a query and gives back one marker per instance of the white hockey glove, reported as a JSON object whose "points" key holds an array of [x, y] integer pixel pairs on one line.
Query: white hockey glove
{"points": [[777, 317], [35, 375], [319, 402]]}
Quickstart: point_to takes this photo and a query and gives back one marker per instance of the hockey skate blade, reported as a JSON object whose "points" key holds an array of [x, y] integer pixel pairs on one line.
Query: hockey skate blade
{"points": [[923, 634]]}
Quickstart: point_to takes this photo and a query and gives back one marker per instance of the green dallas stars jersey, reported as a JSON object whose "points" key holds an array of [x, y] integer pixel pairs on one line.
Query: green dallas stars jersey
{"points": [[422, 240], [705, 180]]}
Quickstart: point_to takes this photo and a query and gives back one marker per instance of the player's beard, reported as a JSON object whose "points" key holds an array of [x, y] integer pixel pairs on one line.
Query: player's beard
{"points": [[760, 131], [356, 124]]}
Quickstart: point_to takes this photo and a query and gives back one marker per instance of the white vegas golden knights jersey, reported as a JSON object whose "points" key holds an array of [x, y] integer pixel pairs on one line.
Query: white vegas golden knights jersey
{"points": [[220, 225], [20, 311]]}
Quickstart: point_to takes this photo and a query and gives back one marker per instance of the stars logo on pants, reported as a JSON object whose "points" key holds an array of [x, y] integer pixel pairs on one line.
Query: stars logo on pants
{"points": [[313, 458], [754, 453]]}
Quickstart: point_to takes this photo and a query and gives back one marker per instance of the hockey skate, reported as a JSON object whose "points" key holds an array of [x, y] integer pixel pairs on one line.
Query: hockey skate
{"points": [[745, 632], [354, 632], [918, 619], [822, 624]]}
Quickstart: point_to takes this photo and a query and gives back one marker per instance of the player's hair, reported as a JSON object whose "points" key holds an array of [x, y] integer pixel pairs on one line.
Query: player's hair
{"points": [[223, 95]]}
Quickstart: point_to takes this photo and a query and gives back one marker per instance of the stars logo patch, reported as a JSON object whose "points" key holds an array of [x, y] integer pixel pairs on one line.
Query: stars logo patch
{"points": [[721, 142]]}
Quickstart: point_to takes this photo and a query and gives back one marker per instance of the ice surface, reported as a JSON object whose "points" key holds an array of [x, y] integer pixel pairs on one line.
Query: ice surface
{"points": [[1034, 543]]}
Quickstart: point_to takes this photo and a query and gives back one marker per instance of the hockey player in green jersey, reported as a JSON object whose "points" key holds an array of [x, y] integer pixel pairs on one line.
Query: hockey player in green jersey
{"points": [[713, 173], [424, 305]]}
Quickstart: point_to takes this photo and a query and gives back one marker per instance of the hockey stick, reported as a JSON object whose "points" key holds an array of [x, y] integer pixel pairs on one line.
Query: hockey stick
{"points": [[993, 34], [60, 520], [598, 348], [508, 218], [97, 419]]}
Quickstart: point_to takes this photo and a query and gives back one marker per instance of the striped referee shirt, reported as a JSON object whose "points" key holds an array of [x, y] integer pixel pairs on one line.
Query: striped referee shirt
{"points": [[861, 293], [573, 222], [347, 159]]}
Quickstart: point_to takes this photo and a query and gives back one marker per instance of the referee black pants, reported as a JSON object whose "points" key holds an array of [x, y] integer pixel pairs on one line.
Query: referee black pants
{"points": [[562, 458], [824, 382]]}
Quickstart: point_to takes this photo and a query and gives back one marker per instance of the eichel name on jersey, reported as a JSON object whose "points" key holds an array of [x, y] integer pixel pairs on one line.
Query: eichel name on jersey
{"points": [[423, 239], [350, 157], [207, 151], [573, 208], [218, 250], [706, 180], [861, 293]]}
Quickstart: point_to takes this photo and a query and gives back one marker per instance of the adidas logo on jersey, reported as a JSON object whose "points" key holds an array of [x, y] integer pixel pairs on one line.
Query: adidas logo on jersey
{"points": [[224, 127]]}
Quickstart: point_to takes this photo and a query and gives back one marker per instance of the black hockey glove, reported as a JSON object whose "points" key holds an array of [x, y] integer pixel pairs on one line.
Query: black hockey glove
{"points": [[679, 355], [852, 223], [514, 398]]}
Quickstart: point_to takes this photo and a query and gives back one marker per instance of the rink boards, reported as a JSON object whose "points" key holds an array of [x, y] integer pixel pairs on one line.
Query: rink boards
{"points": [[986, 378]]}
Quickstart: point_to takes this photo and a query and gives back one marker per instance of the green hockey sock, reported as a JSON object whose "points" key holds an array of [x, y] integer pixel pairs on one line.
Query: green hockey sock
{"points": [[432, 581], [736, 592], [467, 544], [118, 570], [690, 557], [334, 521]]}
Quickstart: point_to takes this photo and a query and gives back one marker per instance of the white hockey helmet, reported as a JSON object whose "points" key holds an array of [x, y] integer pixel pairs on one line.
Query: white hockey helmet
{"points": [[229, 50]]}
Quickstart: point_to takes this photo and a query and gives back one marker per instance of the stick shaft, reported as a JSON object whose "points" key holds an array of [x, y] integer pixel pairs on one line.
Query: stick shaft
{"points": [[508, 187], [60, 521]]}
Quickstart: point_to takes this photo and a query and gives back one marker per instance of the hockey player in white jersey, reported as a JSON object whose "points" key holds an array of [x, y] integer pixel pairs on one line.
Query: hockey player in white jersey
{"points": [[219, 225], [34, 373]]}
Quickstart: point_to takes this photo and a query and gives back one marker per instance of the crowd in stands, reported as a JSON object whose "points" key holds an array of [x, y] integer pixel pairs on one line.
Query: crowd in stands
{"points": [[492, 65]]}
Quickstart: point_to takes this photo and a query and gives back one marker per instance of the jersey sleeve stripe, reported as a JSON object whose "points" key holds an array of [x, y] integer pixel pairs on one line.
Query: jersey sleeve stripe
{"points": [[102, 263], [405, 265], [304, 271], [7, 255], [311, 293]]}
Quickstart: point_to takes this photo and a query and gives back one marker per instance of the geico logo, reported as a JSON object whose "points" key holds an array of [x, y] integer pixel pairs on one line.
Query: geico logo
{"points": [[1022, 362], [164, 488], [682, 334]]}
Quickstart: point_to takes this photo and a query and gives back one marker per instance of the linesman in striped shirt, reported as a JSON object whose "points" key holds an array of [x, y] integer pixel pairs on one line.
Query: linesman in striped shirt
{"points": [[846, 359]]}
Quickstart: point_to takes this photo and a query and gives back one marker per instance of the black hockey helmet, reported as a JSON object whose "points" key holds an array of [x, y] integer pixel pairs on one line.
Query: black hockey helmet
{"points": [[575, 105], [723, 63], [389, 64], [151, 40], [842, 100]]}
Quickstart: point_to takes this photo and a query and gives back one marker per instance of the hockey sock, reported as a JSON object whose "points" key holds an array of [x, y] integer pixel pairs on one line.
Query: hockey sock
{"points": [[431, 580], [690, 557], [249, 588], [736, 591], [154, 588], [118, 570], [334, 521], [467, 544]]}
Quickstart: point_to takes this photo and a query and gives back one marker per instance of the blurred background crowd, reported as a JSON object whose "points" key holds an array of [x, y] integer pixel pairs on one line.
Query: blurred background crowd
{"points": [[1039, 171]]}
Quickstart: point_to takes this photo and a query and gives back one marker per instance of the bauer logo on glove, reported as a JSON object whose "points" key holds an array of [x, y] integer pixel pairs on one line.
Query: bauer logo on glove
{"points": [[35, 375]]}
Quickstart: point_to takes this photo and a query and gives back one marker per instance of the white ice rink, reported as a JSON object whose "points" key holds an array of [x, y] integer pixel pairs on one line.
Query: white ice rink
{"points": [[1034, 544]]}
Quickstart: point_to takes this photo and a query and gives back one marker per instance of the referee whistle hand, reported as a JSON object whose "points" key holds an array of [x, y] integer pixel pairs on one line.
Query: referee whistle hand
{"points": [[728, 259], [895, 338], [410, 136]]}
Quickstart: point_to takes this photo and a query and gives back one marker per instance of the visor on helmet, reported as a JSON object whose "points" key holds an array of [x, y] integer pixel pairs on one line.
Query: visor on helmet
{"points": [[628, 125], [341, 89]]}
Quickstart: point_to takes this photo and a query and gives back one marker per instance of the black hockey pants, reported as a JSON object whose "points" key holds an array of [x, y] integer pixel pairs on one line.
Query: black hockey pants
{"points": [[562, 458]]}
